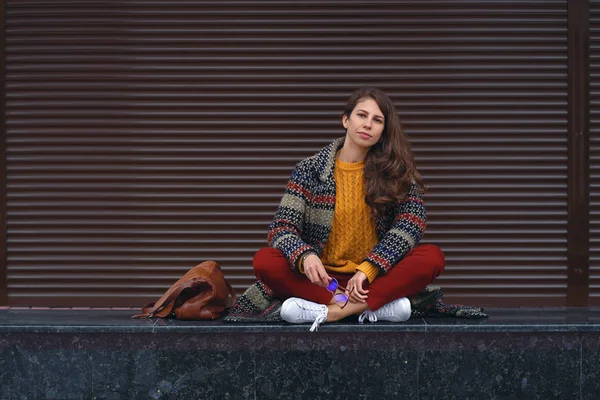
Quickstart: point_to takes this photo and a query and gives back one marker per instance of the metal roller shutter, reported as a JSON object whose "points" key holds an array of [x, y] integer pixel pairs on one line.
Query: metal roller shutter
{"points": [[145, 137], [594, 153]]}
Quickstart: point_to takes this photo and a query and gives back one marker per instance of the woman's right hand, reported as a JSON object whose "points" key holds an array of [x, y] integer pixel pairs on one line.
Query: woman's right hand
{"points": [[315, 271]]}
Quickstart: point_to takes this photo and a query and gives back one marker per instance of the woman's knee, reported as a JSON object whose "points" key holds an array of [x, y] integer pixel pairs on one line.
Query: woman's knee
{"points": [[438, 258], [435, 257], [267, 260]]}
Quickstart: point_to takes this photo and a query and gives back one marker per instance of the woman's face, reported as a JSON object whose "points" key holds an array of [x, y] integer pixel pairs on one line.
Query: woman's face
{"points": [[365, 125]]}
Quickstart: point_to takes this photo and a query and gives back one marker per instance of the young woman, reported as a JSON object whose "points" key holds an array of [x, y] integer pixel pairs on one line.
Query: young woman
{"points": [[344, 239]]}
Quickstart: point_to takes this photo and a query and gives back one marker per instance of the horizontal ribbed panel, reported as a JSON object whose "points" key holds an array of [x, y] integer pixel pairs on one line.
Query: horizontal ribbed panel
{"points": [[145, 137], [594, 153]]}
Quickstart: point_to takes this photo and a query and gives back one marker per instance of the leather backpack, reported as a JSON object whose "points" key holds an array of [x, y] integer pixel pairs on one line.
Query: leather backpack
{"points": [[201, 294]]}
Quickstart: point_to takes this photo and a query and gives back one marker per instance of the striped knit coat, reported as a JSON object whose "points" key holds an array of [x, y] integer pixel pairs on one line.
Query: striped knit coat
{"points": [[303, 220]]}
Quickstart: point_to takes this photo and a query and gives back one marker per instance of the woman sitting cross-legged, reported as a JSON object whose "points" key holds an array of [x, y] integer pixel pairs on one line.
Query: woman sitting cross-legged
{"points": [[344, 239]]}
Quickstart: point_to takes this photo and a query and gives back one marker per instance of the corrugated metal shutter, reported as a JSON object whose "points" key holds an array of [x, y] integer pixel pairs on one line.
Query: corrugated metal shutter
{"points": [[594, 153], [145, 137]]}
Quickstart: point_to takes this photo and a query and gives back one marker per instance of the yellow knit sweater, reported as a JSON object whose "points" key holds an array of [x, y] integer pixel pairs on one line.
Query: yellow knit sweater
{"points": [[353, 233]]}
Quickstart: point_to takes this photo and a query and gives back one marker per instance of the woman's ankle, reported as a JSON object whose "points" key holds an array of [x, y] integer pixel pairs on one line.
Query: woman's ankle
{"points": [[333, 313], [336, 313]]}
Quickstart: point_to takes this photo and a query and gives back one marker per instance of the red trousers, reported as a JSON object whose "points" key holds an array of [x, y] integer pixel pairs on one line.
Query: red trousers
{"points": [[410, 276]]}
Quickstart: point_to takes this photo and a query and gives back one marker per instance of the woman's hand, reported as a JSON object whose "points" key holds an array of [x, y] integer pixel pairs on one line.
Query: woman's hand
{"points": [[315, 271], [355, 290]]}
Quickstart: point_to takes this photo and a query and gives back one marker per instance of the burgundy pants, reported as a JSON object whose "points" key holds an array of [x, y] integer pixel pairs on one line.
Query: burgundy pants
{"points": [[410, 276]]}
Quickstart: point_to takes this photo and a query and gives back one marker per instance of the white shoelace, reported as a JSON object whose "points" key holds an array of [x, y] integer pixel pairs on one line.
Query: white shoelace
{"points": [[320, 318], [307, 312], [365, 314]]}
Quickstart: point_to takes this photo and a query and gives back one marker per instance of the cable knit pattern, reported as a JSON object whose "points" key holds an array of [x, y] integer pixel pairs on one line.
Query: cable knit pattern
{"points": [[304, 218], [353, 232]]}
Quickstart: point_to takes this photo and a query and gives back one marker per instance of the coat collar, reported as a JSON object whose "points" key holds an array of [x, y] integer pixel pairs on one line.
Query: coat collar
{"points": [[326, 159]]}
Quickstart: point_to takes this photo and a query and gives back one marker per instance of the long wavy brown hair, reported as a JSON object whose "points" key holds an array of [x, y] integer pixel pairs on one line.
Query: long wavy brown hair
{"points": [[390, 166]]}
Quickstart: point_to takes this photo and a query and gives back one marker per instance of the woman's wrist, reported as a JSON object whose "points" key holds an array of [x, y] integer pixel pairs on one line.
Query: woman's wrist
{"points": [[370, 270], [305, 256]]}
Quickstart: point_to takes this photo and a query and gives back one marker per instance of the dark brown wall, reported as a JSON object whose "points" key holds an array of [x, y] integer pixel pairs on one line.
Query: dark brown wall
{"points": [[145, 137], [594, 151]]}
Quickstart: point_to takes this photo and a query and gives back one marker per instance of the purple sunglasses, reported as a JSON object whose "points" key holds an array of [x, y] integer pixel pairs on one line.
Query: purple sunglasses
{"points": [[340, 299]]}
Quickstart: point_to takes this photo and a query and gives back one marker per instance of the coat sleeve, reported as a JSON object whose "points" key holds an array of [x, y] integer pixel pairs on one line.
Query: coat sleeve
{"points": [[285, 232], [410, 221]]}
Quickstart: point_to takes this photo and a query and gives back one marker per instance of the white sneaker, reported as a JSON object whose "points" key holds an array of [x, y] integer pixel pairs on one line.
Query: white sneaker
{"points": [[395, 311], [299, 311]]}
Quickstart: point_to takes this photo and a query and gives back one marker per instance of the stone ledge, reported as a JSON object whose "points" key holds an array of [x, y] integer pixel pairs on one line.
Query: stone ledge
{"points": [[105, 355], [118, 321]]}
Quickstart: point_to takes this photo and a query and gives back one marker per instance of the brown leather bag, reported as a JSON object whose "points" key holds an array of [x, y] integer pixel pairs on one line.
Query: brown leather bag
{"points": [[202, 293]]}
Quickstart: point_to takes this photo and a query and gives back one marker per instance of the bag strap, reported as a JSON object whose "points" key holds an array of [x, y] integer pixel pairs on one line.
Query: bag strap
{"points": [[231, 300]]}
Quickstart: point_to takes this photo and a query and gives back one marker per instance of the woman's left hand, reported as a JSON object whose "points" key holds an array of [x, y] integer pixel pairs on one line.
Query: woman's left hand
{"points": [[355, 290]]}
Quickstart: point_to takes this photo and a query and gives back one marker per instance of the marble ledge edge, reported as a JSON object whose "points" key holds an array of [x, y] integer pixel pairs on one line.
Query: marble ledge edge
{"points": [[269, 328]]}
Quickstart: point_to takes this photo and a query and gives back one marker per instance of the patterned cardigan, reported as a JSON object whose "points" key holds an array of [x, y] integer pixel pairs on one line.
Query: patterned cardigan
{"points": [[303, 221]]}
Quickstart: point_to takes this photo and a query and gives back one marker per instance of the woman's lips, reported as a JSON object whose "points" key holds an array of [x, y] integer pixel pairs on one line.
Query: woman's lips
{"points": [[364, 135]]}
